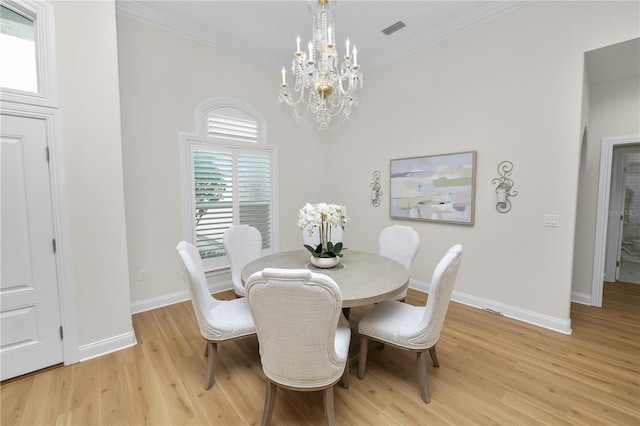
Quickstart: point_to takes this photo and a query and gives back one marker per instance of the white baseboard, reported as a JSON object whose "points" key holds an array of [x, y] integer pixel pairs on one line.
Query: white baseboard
{"points": [[170, 299], [123, 341], [158, 302], [582, 298], [534, 318], [106, 346]]}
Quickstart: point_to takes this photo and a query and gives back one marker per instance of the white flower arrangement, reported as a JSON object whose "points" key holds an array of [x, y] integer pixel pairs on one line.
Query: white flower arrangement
{"points": [[325, 217]]}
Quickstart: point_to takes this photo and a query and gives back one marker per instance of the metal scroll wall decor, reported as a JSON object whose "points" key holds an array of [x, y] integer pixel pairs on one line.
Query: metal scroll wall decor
{"points": [[504, 186], [376, 193]]}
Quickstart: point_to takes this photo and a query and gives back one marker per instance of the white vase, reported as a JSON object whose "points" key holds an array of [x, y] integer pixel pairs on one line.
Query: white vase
{"points": [[324, 262]]}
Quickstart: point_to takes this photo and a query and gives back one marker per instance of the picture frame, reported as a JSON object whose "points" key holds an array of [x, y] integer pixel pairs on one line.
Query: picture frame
{"points": [[435, 188]]}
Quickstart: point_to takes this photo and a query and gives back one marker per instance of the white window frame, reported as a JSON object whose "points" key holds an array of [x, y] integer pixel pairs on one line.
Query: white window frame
{"points": [[42, 15], [201, 140]]}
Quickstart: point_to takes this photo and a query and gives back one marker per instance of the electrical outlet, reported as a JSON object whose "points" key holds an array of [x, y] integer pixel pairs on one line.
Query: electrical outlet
{"points": [[142, 274], [552, 220]]}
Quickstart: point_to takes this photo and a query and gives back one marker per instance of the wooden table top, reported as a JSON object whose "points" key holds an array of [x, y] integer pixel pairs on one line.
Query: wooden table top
{"points": [[365, 278]]}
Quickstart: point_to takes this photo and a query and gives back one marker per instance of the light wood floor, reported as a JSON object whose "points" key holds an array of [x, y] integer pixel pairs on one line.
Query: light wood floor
{"points": [[493, 370]]}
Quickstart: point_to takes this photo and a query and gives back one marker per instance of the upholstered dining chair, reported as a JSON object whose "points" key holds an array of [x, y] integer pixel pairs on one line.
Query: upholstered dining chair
{"points": [[413, 328], [243, 244], [400, 243], [219, 320], [303, 336]]}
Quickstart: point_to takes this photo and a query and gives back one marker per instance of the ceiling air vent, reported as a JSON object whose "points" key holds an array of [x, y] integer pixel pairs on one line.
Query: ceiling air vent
{"points": [[393, 28]]}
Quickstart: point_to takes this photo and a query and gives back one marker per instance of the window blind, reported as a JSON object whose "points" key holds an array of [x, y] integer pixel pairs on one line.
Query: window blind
{"points": [[213, 181], [220, 126], [230, 187], [254, 194]]}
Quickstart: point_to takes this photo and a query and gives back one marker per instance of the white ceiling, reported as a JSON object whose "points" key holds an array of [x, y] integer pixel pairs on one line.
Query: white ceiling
{"points": [[614, 62], [266, 30]]}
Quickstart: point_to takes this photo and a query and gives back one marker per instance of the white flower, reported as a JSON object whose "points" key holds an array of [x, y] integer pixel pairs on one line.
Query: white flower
{"points": [[317, 214], [323, 216]]}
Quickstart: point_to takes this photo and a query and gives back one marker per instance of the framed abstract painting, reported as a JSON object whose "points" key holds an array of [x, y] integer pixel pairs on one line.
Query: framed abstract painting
{"points": [[439, 188]]}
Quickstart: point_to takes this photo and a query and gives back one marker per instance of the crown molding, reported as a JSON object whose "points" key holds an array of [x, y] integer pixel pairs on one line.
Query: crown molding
{"points": [[149, 16], [183, 28]]}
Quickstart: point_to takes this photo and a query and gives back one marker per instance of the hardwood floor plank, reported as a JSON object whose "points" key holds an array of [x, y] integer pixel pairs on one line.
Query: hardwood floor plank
{"points": [[82, 415], [14, 402], [114, 401], [49, 397], [493, 370], [145, 395], [531, 410], [170, 385], [84, 386]]}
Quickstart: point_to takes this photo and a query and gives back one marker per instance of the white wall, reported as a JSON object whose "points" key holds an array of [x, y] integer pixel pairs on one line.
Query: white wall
{"points": [[510, 89], [90, 108], [163, 77]]}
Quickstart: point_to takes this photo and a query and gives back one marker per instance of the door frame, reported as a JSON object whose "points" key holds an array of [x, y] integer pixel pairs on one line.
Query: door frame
{"points": [[602, 206], [63, 257], [45, 105]]}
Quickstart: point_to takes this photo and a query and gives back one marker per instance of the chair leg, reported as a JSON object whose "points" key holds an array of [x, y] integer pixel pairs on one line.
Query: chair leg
{"points": [[328, 406], [212, 350], [269, 402], [362, 356], [345, 375], [422, 376], [434, 356]]}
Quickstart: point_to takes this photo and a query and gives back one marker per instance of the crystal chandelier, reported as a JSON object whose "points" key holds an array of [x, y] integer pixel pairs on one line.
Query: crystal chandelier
{"points": [[331, 89]]}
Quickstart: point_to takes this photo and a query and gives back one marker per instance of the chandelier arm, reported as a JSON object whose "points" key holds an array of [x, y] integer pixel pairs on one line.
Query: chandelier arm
{"points": [[284, 96], [342, 91]]}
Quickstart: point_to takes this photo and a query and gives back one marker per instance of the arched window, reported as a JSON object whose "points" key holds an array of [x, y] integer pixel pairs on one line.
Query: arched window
{"points": [[229, 175]]}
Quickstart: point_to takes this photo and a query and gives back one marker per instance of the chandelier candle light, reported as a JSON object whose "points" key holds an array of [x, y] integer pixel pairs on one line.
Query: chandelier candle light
{"points": [[325, 217], [331, 89]]}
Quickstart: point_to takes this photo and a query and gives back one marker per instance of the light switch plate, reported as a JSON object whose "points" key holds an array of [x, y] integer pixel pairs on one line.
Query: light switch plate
{"points": [[551, 220]]}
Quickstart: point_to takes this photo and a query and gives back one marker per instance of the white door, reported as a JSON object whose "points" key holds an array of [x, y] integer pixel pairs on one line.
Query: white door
{"points": [[628, 259], [617, 214], [30, 336]]}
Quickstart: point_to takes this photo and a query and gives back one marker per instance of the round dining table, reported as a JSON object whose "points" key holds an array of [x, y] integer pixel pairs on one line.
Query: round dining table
{"points": [[364, 278]]}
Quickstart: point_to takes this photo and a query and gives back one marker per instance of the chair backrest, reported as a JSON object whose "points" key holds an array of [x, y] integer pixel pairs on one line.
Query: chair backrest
{"points": [[201, 298], [296, 313], [243, 244], [442, 282], [311, 235], [400, 243]]}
